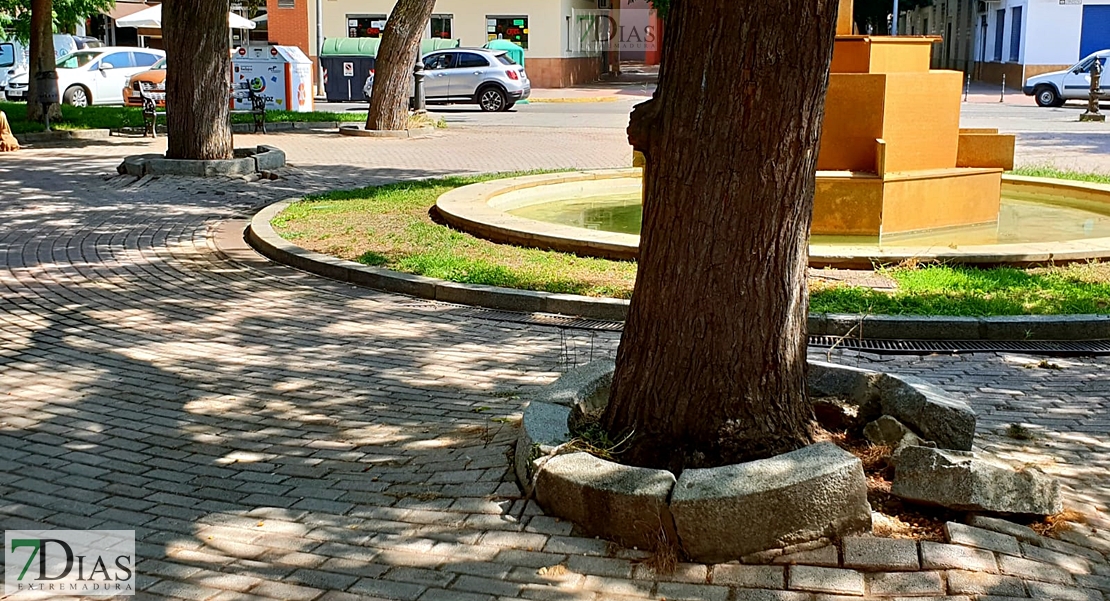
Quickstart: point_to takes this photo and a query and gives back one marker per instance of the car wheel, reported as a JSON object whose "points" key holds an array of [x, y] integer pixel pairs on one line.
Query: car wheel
{"points": [[509, 105], [1047, 97], [492, 100], [76, 96]]}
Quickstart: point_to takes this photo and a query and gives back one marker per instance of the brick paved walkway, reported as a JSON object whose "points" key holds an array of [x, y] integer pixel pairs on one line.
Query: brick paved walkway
{"points": [[269, 434]]}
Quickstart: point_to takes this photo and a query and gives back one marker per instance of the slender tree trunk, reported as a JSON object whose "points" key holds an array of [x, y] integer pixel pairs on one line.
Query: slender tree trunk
{"points": [[711, 367], [196, 36], [397, 55], [42, 56]]}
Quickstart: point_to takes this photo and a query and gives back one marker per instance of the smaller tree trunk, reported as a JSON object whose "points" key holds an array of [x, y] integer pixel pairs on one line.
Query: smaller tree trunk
{"points": [[398, 53], [198, 79], [42, 57]]}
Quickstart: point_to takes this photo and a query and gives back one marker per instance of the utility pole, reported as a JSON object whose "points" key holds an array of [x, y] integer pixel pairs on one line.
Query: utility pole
{"points": [[894, 20]]}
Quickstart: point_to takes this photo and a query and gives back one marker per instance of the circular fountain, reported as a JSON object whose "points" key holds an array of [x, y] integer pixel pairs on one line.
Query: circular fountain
{"points": [[597, 213]]}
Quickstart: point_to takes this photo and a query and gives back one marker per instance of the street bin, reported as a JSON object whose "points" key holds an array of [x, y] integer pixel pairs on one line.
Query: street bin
{"points": [[347, 62], [514, 51], [280, 74]]}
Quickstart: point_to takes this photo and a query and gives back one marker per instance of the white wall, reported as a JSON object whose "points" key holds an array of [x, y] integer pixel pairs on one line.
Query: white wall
{"points": [[1054, 32]]}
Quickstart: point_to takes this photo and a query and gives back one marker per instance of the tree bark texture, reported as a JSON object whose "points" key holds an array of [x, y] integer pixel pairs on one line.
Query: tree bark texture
{"points": [[711, 367], [195, 33], [397, 55], [42, 57]]}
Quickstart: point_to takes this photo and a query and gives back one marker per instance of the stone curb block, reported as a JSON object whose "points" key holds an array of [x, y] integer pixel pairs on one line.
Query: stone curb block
{"points": [[867, 327], [813, 492], [618, 502]]}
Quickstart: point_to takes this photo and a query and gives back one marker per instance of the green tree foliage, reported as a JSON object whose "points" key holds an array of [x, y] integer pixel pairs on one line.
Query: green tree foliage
{"points": [[15, 15], [661, 7]]}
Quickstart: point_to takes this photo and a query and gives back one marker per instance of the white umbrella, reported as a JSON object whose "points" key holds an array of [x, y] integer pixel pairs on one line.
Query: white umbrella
{"points": [[152, 18]]}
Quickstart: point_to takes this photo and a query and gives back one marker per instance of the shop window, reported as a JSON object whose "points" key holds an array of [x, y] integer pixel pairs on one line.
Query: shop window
{"points": [[441, 26], [370, 26], [514, 29]]}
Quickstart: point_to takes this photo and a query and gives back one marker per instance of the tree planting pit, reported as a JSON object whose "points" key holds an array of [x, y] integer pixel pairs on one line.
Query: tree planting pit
{"points": [[247, 161]]}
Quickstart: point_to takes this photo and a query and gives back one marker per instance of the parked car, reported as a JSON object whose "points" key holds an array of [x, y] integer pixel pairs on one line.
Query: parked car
{"points": [[153, 80], [13, 59], [488, 78], [14, 56], [93, 76], [1053, 89]]}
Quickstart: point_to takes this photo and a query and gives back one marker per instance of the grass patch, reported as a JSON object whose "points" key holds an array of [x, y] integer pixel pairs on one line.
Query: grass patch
{"points": [[972, 292], [1054, 173], [391, 226], [118, 117]]}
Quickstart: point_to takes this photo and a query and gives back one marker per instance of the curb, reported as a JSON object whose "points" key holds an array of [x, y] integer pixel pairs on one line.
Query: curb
{"points": [[1021, 328], [357, 131], [573, 100], [62, 135]]}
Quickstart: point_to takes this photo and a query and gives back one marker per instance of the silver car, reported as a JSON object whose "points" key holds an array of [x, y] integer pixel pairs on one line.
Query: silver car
{"points": [[488, 78]]}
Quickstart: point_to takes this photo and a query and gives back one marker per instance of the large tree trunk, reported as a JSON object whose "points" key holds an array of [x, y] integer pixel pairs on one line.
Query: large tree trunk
{"points": [[196, 35], [397, 55], [711, 367], [42, 57]]}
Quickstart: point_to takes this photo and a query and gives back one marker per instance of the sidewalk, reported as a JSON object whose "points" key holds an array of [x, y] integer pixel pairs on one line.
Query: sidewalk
{"points": [[595, 92]]}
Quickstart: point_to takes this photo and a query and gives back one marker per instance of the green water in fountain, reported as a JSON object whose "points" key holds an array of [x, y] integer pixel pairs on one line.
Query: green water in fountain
{"points": [[1020, 220]]}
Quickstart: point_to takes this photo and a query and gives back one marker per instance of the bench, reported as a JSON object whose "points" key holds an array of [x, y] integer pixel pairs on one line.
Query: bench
{"points": [[258, 106], [151, 112]]}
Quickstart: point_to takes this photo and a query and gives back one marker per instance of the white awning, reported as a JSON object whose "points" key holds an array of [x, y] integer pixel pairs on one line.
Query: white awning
{"points": [[152, 18]]}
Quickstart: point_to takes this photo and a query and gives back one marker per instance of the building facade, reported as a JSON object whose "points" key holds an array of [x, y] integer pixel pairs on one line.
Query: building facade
{"points": [[953, 23], [565, 41], [1012, 39], [1024, 38]]}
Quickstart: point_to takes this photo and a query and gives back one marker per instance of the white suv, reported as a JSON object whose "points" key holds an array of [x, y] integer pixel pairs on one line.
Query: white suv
{"points": [[1053, 89], [93, 76], [488, 78]]}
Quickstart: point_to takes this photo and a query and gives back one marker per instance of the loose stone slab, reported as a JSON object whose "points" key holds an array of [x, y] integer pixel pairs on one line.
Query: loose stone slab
{"points": [[968, 482], [732, 511], [892, 433], [928, 410], [618, 502]]}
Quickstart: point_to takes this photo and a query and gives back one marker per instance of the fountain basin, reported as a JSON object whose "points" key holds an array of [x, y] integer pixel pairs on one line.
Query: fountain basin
{"points": [[594, 213]]}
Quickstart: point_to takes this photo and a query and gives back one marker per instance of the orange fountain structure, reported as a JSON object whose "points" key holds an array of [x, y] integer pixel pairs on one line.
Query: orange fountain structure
{"points": [[893, 158]]}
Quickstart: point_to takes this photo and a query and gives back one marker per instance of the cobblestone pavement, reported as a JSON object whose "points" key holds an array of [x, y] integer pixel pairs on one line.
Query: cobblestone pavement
{"points": [[269, 434]]}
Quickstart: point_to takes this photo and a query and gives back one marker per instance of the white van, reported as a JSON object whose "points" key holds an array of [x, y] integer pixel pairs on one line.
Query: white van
{"points": [[1053, 89], [13, 60]]}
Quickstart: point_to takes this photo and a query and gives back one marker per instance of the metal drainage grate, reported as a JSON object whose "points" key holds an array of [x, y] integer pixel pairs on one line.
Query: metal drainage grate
{"points": [[542, 319], [890, 347], [1059, 348]]}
